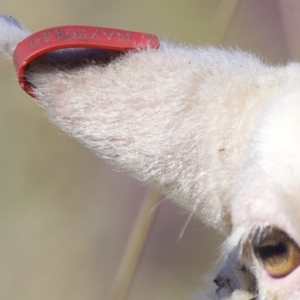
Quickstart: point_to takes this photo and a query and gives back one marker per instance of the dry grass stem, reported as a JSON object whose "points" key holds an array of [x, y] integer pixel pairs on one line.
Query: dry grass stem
{"points": [[135, 247]]}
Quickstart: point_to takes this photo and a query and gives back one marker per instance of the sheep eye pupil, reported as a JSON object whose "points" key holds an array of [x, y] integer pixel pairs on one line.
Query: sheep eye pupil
{"points": [[272, 251]]}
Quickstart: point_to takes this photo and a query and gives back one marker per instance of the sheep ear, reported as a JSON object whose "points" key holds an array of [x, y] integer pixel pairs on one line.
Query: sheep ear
{"points": [[11, 33], [157, 114]]}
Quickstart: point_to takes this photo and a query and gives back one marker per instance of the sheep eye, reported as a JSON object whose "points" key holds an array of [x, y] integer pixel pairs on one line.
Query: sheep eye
{"points": [[275, 251]]}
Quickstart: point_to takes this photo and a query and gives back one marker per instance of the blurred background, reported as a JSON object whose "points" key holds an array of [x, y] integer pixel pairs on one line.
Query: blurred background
{"points": [[65, 215]]}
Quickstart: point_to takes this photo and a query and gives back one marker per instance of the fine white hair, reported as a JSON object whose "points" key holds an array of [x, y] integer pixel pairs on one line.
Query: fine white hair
{"points": [[11, 33]]}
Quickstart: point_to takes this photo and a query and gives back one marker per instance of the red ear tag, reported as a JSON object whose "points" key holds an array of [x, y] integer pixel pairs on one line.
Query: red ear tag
{"points": [[64, 37]]}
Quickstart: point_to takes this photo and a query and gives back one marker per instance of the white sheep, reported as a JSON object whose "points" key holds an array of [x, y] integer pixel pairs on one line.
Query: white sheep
{"points": [[217, 131]]}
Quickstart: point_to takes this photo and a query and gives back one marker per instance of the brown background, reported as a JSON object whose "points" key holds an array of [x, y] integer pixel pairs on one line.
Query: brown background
{"points": [[65, 216]]}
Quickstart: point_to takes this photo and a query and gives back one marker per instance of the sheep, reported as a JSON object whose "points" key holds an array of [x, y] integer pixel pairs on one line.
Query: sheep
{"points": [[217, 131]]}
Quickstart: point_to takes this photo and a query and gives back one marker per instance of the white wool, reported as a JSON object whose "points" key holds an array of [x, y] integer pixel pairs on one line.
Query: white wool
{"points": [[217, 131]]}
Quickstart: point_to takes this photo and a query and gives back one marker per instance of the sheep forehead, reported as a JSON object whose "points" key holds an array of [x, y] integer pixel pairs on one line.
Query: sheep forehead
{"points": [[269, 186]]}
